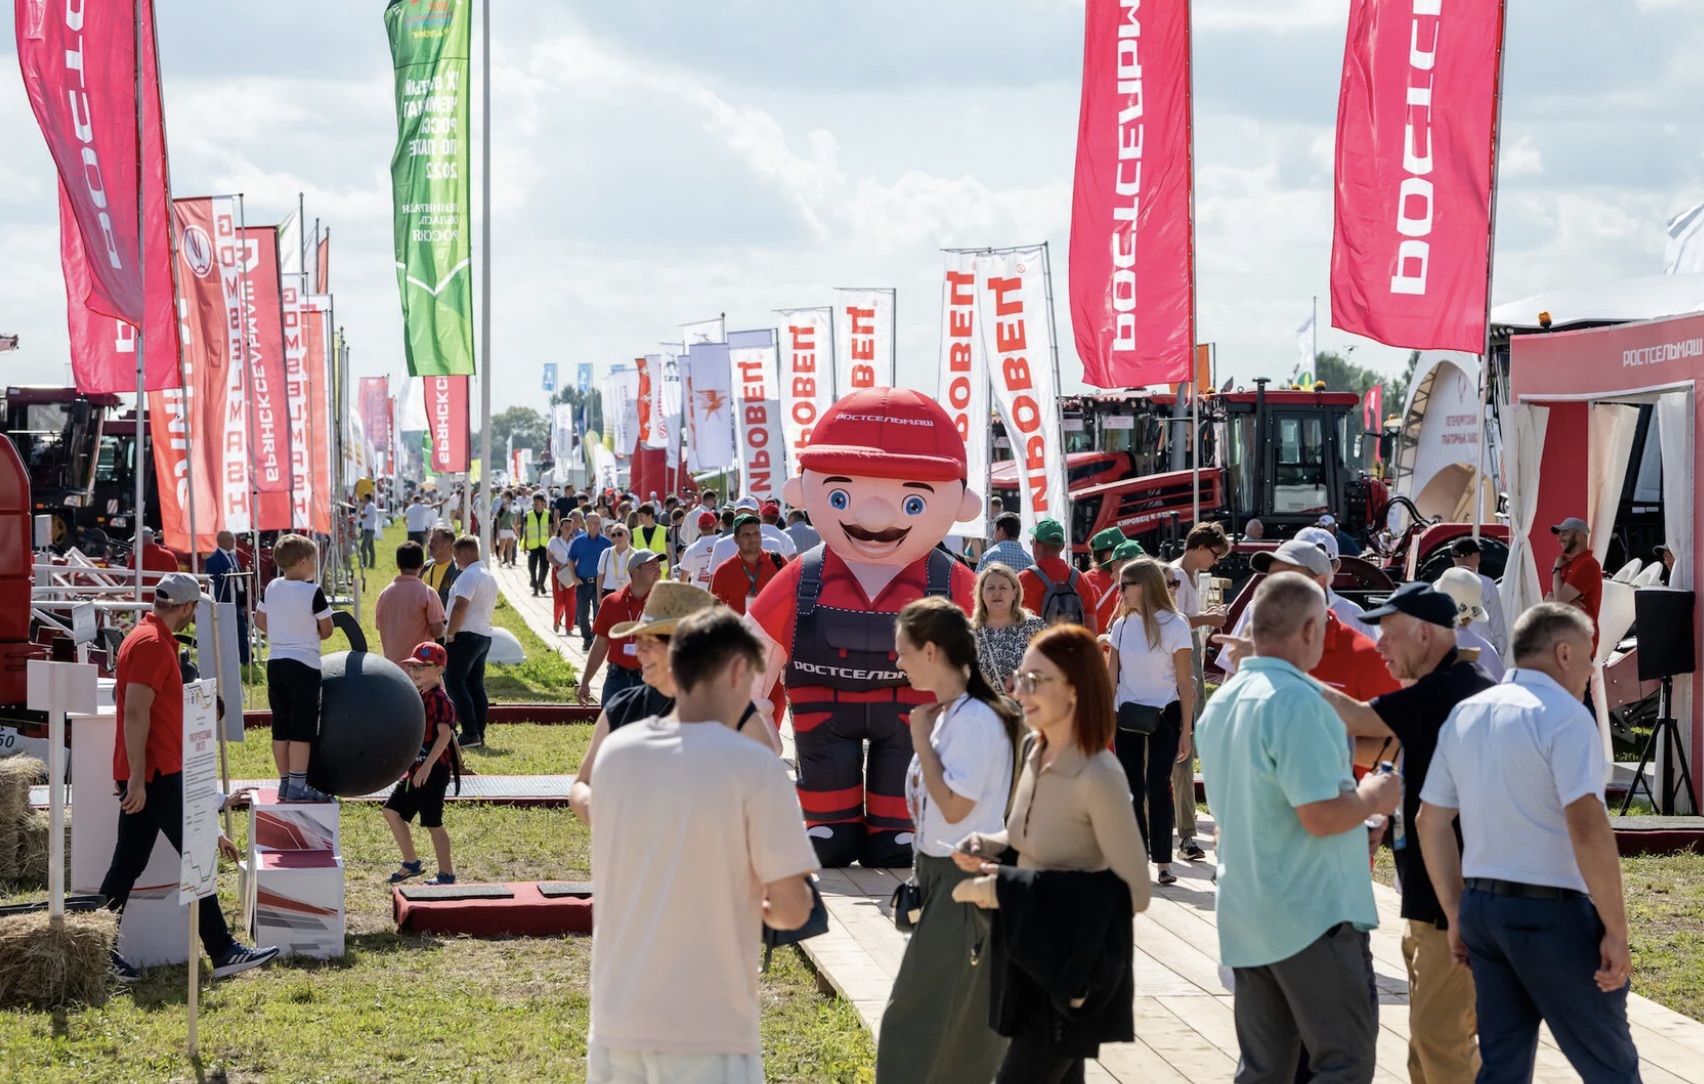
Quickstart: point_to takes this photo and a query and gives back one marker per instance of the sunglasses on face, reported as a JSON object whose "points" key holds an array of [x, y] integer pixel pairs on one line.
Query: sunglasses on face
{"points": [[1029, 681]]}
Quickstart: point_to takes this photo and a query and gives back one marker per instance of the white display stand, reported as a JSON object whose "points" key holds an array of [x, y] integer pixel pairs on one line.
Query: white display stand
{"points": [[295, 897], [152, 929]]}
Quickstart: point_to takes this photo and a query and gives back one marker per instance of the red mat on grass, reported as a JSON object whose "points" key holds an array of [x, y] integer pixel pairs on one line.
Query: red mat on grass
{"points": [[526, 912]]}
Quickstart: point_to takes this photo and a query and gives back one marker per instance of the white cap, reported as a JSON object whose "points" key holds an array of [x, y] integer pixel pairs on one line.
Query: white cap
{"points": [[1322, 538]]}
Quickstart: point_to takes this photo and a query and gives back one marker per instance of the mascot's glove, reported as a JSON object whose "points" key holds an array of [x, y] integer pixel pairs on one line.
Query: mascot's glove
{"points": [[977, 890]]}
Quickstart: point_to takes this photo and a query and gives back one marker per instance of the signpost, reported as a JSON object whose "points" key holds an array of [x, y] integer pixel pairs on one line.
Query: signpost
{"points": [[199, 869]]}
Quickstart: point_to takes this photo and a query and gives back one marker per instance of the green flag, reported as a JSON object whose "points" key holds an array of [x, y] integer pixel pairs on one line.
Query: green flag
{"points": [[430, 44]]}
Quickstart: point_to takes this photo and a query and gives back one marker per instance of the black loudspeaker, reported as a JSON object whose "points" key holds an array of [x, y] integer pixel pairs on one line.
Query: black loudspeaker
{"points": [[1664, 620]]}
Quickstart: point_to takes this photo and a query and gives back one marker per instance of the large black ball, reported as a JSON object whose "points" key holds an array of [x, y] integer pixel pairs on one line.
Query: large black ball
{"points": [[372, 722]]}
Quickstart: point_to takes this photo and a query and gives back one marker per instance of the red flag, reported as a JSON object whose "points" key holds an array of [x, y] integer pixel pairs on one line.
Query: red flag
{"points": [[315, 337], [263, 319], [446, 413], [103, 347], [322, 263], [373, 403], [1132, 240], [207, 416], [1416, 131]]}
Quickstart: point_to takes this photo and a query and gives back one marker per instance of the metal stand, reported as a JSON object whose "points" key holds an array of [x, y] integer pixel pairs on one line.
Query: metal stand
{"points": [[1665, 732]]}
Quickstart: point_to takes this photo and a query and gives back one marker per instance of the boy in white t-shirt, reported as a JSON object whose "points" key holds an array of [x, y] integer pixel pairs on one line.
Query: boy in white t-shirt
{"points": [[698, 843], [296, 618]]}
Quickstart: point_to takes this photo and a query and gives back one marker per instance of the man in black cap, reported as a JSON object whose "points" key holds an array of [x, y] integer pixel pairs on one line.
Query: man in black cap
{"points": [[1417, 640]]}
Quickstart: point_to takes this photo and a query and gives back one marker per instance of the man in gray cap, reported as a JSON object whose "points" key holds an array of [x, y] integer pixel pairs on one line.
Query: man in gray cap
{"points": [[1576, 579], [1419, 647], [147, 764]]}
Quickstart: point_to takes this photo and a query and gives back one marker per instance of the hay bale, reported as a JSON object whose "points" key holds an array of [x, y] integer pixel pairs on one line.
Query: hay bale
{"points": [[17, 776], [32, 849], [41, 967], [9, 836]]}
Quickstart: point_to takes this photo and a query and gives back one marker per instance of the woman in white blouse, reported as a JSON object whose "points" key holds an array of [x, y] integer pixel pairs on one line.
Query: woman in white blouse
{"points": [[612, 563], [1154, 696], [935, 1029]]}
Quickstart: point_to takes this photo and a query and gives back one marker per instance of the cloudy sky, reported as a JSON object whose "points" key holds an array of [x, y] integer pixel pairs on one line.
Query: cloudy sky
{"points": [[662, 162]]}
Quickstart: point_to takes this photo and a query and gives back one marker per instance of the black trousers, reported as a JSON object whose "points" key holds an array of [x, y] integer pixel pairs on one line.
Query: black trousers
{"points": [[538, 567], [136, 834], [1031, 1059], [1148, 762], [464, 680]]}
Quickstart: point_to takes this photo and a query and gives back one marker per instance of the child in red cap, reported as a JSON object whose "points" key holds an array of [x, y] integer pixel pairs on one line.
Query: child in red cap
{"points": [[421, 792], [884, 480]]}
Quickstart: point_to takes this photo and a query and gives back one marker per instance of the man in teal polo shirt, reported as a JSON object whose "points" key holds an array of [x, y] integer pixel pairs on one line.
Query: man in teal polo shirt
{"points": [[1295, 895]]}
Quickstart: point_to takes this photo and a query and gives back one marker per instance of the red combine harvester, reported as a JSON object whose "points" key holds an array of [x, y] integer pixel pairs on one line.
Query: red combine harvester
{"points": [[16, 562], [80, 459]]}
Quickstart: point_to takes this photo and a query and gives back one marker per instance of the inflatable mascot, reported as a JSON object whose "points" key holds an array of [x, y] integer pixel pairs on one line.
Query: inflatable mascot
{"points": [[883, 479]]}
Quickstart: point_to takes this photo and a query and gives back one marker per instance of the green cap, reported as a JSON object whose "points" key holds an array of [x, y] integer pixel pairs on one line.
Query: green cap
{"points": [[742, 520], [1108, 539], [1049, 532], [1129, 551]]}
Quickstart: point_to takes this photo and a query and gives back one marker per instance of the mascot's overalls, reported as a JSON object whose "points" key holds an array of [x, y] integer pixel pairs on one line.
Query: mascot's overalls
{"points": [[883, 480]]}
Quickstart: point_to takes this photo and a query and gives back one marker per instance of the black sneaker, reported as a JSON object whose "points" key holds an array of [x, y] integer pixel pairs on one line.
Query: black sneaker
{"points": [[241, 958], [124, 971], [1192, 851]]}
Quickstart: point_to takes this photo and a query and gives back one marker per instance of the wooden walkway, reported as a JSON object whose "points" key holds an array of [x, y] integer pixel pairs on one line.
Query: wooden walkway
{"points": [[1184, 1025]]}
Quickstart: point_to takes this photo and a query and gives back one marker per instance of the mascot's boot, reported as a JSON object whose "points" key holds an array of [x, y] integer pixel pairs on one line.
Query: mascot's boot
{"points": [[888, 844], [837, 845]]}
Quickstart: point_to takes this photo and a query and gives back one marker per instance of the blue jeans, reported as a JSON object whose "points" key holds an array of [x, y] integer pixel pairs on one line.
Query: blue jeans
{"points": [[618, 679], [464, 680], [1533, 960], [586, 609]]}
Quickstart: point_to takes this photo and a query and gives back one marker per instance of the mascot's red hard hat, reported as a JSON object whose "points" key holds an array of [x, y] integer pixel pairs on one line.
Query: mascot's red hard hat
{"points": [[887, 433]]}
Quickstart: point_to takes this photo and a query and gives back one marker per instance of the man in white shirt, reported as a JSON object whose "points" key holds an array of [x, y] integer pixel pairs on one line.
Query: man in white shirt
{"points": [[690, 531], [1466, 553], [1205, 546], [419, 518], [1534, 899], [368, 518], [694, 566], [473, 599], [698, 843]]}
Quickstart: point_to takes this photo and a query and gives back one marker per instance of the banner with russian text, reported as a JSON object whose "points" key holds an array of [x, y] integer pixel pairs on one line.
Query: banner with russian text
{"points": [[807, 373], [263, 323], [1132, 261], [372, 402], [298, 396], [447, 422], [430, 183], [755, 363], [1416, 126], [964, 378], [864, 339], [103, 345], [317, 339], [709, 388], [1012, 318], [200, 431], [79, 71]]}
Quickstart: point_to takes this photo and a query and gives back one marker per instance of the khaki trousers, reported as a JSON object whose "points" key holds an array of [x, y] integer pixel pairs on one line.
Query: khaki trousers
{"points": [[1183, 776], [1442, 1048]]}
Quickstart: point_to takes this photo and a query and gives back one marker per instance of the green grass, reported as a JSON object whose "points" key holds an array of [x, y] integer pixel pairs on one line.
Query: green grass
{"points": [[544, 678], [407, 1007], [510, 749], [1665, 923]]}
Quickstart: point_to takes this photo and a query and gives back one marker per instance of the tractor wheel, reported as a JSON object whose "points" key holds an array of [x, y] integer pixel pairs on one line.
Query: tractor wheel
{"points": [[1493, 556]]}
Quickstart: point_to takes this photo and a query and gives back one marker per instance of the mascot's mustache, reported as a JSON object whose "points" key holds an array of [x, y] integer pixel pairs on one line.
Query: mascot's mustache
{"points": [[892, 534]]}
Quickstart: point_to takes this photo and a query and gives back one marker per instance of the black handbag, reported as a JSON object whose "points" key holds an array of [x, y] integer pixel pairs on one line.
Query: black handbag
{"points": [[907, 904], [815, 926], [1139, 718]]}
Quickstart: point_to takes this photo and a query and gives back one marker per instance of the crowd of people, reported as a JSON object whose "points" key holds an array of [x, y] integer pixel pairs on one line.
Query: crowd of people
{"points": [[1051, 786]]}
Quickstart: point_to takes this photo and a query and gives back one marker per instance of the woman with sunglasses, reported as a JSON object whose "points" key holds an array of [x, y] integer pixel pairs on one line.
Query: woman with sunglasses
{"points": [[1003, 627], [935, 1029], [1152, 667], [1071, 812], [612, 563]]}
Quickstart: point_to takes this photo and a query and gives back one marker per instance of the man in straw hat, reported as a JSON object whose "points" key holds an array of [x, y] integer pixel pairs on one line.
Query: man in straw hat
{"points": [[147, 764]]}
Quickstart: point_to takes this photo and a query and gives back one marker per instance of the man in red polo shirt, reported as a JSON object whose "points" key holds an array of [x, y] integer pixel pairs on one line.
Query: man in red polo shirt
{"points": [[155, 559], [884, 480], [1577, 579], [1047, 540], [147, 764], [625, 605], [741, 577]]}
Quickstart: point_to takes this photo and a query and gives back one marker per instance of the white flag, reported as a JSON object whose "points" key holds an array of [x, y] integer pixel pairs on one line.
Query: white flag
{"points": [[863, 339], [705, 331], [807, 374], [1011, 302], [1685, 252], [290, 245], [562, 432], [964, 378], [621, 408], [1305, 346], [755, 365], [709, 408]]}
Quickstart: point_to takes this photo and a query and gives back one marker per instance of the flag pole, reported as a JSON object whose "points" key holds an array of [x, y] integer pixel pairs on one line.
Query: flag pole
{"points": [[1194, 356], [485, 293], [141, 353], [1058, 386], [1490, 268]]}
